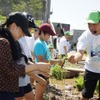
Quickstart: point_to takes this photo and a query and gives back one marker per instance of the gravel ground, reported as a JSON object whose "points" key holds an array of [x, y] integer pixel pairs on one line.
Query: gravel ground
{"points": [[69, 93]]}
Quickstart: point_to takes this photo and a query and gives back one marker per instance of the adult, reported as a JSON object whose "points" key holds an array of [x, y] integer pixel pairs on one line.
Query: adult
{"points": [[89, 41], [64, 45]]}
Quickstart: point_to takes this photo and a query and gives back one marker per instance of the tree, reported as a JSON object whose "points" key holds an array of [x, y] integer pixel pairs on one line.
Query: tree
{"points": [[33, 7]]}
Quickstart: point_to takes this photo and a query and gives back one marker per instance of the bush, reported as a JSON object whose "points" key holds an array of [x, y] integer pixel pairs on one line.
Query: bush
{"points": [[79, 82], [56, 72]]}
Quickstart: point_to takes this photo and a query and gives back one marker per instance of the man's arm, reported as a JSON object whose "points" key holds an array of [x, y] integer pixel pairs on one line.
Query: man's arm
{"points": [[76, 57]]}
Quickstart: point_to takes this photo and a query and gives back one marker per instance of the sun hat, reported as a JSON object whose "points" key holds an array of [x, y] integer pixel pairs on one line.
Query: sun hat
{"points": [[50, 45], [30, 19], [67, 33], [93, 17], [47, 27], [20, 20]]}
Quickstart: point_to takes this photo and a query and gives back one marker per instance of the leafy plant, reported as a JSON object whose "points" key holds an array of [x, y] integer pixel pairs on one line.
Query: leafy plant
{"points": [[97, 87], [56, 72], [79, 82]]}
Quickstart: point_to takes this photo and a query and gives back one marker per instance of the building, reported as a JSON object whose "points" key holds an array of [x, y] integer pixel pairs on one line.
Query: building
{"points": [[59, 28], [75, 35]]}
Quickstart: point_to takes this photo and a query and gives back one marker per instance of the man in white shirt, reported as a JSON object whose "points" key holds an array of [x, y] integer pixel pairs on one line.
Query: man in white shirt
{"points": [[30, 40], [64, 45], [89, 41]]}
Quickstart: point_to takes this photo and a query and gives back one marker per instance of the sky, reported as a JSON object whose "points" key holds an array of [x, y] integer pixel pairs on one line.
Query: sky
{"points": [[73, 12]]}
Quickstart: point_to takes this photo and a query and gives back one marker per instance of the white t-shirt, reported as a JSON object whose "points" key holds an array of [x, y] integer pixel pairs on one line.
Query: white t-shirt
{"points": [[91, 44], [68, 46], [30, 41], [63, 42], [23, 81], [24, 46]]}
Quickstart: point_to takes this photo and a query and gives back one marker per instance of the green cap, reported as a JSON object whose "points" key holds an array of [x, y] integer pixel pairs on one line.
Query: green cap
{"points": [[50, 45], [93, 17], [67, 33]]}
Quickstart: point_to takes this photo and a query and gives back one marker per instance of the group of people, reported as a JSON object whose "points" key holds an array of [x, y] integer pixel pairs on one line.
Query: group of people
{"points": [[18, 49], [62, 48], [15, 65]]}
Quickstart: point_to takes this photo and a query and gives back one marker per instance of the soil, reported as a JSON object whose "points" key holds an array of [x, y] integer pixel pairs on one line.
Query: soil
{"points": [[64, 89]]}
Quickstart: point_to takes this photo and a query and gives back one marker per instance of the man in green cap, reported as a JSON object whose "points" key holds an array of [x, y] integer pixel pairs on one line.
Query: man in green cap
{"points": [[64, 45], [89, 41]]}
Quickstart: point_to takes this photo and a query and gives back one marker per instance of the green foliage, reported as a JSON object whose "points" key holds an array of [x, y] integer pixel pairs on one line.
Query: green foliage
{"points": [[56, 72], [97, 87], [79, 83], [19, 7], [33, 7], [38, 22], [2, 19]]}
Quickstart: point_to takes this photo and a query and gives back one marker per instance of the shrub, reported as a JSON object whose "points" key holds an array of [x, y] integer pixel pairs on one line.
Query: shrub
{"points": [[79, 83], [56, 72]]}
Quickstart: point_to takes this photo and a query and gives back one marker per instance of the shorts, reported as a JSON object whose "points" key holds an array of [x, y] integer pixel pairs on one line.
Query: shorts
{"points": [[90, 81], [6, 96], [23, 90]]}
